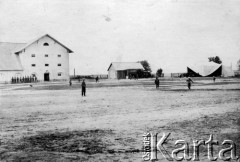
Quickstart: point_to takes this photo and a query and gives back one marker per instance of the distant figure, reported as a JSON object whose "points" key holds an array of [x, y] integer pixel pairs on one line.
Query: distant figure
{"points": [[157, 82], [83, 88], [70, 82], [97, 79], [214, 78], [189, 82]]}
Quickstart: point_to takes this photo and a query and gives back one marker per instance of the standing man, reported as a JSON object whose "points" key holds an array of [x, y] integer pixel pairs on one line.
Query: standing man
{"points": [[189, 82], [70, 82], [97, 79], [214, 78], [157, 82], [83, 88]]}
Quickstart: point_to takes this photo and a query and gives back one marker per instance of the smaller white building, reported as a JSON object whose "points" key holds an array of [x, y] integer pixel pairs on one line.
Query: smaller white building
{"points": [[123, 70]]}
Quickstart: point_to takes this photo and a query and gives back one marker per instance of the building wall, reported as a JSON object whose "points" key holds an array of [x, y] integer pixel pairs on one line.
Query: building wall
{"points": [[112, 74], [6, 76], [39, 50]]}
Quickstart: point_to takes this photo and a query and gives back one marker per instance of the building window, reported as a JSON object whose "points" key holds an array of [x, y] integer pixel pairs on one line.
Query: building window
{"points": [[59, 64], [59, 74], [46, 55], [46, 44], [33, 55], [59, 55], [46, 64], [33, 65]]}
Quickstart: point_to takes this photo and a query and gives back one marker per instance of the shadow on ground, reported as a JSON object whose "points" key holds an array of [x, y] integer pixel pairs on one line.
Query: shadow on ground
{"points": [[64, 146]]}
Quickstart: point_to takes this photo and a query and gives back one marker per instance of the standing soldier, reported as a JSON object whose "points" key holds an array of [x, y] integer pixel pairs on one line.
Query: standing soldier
{"points": [[214, 78], [189, 82], [83, 88], [97, 79], [157, 82], [70, 82]]}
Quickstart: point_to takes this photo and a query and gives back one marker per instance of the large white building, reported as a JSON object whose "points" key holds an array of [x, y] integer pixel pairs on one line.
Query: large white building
{"points": [[45, 57]]}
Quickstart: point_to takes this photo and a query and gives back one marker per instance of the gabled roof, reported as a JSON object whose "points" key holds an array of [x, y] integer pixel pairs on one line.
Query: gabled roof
{"points": [[8, 60], [126, 65], [31, 42]]}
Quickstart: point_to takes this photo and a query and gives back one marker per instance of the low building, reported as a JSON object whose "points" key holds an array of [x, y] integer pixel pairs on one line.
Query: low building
{"points": [[123, 70], [44, 58]]}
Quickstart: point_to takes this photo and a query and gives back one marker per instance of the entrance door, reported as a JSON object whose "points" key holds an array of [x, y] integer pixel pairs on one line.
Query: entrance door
{"points": [[46, 77]]}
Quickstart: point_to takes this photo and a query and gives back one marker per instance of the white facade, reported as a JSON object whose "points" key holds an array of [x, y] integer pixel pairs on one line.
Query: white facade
{"points": [[53, 55], [112, 73], [45, 58], [6, 76]]}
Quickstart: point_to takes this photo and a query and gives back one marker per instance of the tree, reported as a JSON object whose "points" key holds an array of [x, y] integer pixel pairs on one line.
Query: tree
{"points": [[238, 64], [159, 72], [146, 65], [215, 59]]}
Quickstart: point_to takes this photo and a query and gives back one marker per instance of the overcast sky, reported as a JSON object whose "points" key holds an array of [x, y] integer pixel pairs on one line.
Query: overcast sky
{"points": [[170, 34]]}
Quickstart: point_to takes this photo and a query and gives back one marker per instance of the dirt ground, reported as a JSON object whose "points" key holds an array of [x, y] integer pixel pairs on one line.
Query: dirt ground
{"points": [[53, 122]]}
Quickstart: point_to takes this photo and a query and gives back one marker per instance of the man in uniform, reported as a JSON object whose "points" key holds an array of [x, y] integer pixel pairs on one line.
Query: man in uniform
{"points": [[189, 82], [157, 82], [97, 79], [214, 78], [83, 88]]}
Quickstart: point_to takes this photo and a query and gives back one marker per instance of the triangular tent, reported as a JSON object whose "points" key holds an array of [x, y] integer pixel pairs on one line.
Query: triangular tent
{"points": [[210, 69]]}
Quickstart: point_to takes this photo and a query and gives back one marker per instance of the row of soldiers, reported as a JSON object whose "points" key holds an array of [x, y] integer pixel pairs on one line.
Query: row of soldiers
{"points": [[26, 79]]}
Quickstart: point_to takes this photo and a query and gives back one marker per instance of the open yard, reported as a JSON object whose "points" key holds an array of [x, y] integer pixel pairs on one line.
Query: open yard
{"points": [[53, 122]]}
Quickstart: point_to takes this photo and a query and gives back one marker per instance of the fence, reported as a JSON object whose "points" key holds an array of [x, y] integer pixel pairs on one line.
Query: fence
{"points": [[89, 76]]}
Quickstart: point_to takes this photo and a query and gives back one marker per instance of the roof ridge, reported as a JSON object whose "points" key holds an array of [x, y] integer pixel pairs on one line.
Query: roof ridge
{"points": [[40, 37]]}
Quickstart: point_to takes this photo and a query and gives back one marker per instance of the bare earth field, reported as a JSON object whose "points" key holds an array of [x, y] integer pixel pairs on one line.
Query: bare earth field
{"points": [[53, 122]]}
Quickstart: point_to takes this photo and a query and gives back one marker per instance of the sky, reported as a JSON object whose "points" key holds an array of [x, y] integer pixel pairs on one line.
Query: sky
{"points": [[169, 34]]}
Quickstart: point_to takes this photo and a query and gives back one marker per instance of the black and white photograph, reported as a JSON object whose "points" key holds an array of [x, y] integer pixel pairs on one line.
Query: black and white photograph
{"points": [[119, 80]]}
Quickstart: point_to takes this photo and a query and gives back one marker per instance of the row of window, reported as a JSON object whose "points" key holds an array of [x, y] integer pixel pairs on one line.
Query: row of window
{"points": [[46, 65], [46, 55]]}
